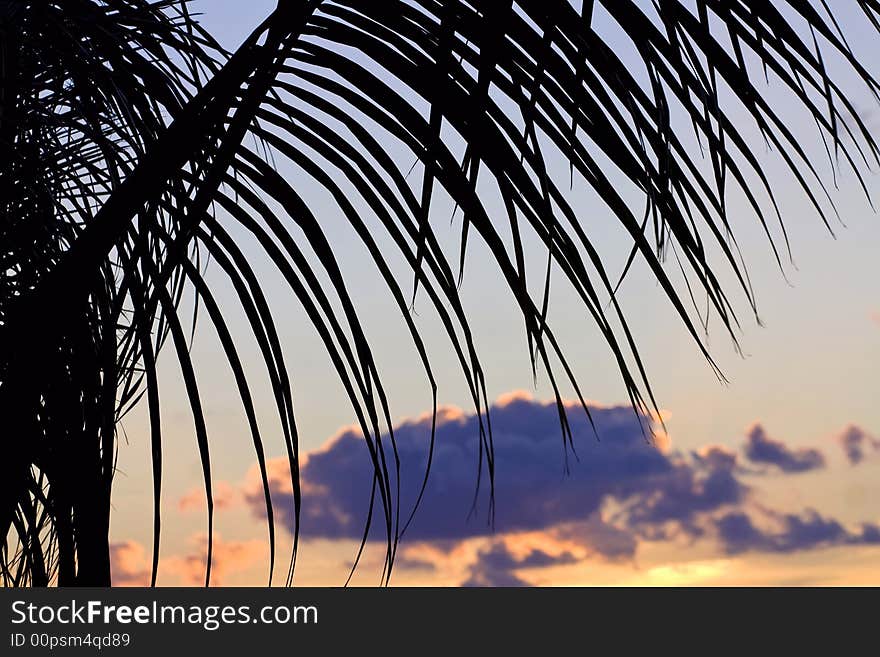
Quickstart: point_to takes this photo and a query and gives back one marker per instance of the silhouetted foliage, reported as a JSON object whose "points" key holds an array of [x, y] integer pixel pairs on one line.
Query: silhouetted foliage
{"points": [[125, 127]]}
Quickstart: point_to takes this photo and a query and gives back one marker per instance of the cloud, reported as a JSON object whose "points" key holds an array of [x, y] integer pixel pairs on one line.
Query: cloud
{"points": [[225, 497], [762, 449], [856, 444], [556, 505], [717, 457], [790, 533], [595, 537], [692, 489], [533, 491], [130, 564], [228, 557], [405, 561], [505, 559], [496, 565]]}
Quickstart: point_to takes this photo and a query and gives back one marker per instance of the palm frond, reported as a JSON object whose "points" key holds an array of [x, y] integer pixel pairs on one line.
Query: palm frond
{"points": [[87, 88]]}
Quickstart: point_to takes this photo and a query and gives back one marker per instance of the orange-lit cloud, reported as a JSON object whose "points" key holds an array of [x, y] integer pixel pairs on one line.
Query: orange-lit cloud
{"points": [[225, 496], [130, 564], [228, 557], [514, 396]]}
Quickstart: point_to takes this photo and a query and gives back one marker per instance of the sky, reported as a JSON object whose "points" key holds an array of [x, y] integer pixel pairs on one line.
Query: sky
{"points": [[770, 478]]}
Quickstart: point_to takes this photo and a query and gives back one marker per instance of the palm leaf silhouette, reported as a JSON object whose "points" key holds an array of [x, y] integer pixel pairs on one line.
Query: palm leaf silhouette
{"points": [[122, 208]]}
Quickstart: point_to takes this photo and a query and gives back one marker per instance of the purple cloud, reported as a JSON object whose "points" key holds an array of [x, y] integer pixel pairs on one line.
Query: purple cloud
{"points": [[790, 533], [496, 566], [762, 449], [856, 444], [599, 500], [692, 489], [535, 489]]}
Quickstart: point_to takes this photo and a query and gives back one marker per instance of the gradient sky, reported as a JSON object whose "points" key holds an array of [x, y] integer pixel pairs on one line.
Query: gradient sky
{"points": [[808, 376]]}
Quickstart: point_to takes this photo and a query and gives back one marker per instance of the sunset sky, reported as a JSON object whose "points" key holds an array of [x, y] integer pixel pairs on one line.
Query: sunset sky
{"points": [[770, 479]]}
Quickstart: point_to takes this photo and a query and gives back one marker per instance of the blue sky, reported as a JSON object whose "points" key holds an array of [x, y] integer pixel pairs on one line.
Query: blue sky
{"points": [[805, 376]]}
